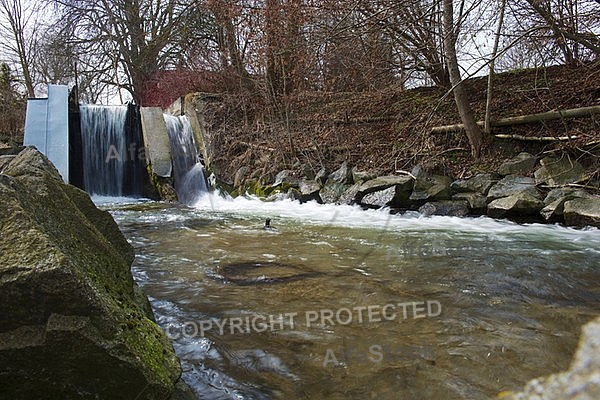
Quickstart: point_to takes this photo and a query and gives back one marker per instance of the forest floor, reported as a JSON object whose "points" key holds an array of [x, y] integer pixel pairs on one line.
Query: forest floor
{"points": [[390, 130]]}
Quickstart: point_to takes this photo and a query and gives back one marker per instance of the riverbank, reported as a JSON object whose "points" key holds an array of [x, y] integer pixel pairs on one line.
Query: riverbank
{"points": [[382, 132]]}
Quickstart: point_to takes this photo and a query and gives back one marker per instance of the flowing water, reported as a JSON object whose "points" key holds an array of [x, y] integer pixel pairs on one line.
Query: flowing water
{"points": [[341, 303], [188, 171], [103, 146]]}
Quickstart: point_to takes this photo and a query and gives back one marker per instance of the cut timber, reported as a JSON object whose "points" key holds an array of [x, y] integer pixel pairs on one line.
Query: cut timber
{"points": [[526, 119]]}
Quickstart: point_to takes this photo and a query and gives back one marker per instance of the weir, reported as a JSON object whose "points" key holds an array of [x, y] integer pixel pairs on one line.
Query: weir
{"points": [[113, 150]]}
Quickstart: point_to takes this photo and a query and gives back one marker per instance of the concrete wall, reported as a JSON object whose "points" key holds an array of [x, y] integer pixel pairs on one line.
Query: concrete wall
{"points": [[47, 127], [156, 141]]}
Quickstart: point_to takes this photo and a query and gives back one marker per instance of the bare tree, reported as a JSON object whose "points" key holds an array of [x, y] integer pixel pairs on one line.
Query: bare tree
{"points": [[17, 17], [490, 86], [460, 94], [130, 40]]}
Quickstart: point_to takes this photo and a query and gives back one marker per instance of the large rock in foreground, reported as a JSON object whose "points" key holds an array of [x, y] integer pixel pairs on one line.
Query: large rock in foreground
{"points": [[72, 323]]}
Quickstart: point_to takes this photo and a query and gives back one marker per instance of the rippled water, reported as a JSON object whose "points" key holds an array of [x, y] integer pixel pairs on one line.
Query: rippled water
{"points": [[333, 304]]}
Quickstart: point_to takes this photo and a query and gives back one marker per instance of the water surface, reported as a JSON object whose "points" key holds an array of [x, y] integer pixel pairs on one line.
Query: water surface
{"points": [[333, 304]]}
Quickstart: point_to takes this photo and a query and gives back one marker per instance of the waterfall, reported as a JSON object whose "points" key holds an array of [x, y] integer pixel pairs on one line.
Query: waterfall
{"points": [[110, 137], [188, 171]]}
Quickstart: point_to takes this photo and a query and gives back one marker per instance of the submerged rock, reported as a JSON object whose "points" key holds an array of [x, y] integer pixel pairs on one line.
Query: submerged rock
{"points": [[579, 382], [255, 273], [73, 323]]}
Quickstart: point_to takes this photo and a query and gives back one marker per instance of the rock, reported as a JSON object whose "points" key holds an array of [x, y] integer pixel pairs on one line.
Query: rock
{"points": [[571, 193], [349, 196], [582, 212], [579, 382], [522, 164], [405, 184], [321, 176], [5, 160], [72, 321], [448, 208], [555, 200], [361, 176], [240, 176], [247, 273], [436, 187], [517, 205], [419, 172], [510, 185], [286, 176], [342, 175], [332, 192], [559, 171], [480, 183], [380, 198], [477, 202], [309, 190]]}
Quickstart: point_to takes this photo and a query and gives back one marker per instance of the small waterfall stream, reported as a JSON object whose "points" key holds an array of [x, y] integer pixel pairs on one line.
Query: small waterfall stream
{"points": [[111, 138], [188, 171]]}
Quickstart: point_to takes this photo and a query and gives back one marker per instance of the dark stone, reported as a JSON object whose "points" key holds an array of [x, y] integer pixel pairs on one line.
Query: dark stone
{"points": [[480, 183], [448, 208], [436, 187], [256, 273], [332, 192], [477, 202], [522, 164], [510, 185], [286, 176]]}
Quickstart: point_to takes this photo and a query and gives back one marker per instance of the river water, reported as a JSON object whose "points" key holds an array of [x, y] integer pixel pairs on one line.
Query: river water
{"points": [[342, 303]]}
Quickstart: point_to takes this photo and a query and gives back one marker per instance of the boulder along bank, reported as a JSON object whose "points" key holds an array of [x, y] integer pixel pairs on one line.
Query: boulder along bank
{"points": [[524, 188], [73, 323]]}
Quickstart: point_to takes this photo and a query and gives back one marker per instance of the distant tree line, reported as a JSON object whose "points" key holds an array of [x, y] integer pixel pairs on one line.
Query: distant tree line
{"points": [[274, 48]]}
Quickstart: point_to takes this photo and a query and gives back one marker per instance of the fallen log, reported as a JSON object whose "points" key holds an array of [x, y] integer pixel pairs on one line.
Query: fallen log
{"points": [[537, 139], [526, 119]]}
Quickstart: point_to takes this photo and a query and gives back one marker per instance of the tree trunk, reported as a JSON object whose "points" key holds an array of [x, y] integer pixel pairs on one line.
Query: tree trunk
{"points": [[460, 94], [490, 89]]}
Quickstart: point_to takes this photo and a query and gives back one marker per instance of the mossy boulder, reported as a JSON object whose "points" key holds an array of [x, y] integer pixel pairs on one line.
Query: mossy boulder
{"points": [[73, 324]]}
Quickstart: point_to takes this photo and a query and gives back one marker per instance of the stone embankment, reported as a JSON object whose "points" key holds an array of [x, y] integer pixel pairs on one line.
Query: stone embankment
{"points": [[524, 189]]}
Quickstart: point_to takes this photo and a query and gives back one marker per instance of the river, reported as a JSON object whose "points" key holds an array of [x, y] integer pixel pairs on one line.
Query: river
{"points": [[337, 302]]}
